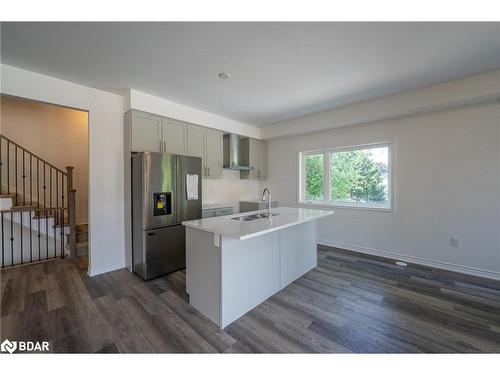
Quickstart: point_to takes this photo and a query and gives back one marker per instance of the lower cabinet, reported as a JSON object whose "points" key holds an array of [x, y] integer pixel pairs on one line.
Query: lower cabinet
{"points": [[247, 206], [219, 211]]}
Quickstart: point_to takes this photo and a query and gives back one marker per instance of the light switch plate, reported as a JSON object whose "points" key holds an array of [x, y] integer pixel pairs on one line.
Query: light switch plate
{"points": [[216, 240]]}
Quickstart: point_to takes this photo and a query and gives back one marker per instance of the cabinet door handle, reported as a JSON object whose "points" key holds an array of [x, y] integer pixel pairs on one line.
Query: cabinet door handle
{"points": [[164, 146], [161, 146], [208, 174]]}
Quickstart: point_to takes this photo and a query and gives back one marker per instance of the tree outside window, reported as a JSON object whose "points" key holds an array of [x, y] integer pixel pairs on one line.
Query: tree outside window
{"points": [[358, 177]]}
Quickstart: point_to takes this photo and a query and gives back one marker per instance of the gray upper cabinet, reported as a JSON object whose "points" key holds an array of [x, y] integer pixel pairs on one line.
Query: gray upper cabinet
{"points": [[149, 132], [146, 131], [213, 153], [253, 152], [196, 141], [174, 136], [207, 144]]}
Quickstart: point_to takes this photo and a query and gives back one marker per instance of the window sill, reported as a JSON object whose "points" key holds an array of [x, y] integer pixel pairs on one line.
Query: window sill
{"points": [[336, 206]]}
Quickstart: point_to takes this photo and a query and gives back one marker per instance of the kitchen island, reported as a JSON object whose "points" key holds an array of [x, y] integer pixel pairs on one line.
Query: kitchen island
{"points": [[235, 262]]}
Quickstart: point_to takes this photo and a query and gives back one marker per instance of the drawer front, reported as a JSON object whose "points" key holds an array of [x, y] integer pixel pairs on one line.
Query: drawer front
{"points": [[263, 206], [224, 211], [207, 213]]}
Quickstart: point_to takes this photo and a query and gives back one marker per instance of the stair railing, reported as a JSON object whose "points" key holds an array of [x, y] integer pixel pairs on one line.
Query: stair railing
{"points": [[35, 183]]}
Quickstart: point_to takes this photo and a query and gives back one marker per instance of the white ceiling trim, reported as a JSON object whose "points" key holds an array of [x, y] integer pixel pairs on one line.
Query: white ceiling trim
{"points": [[469, 90]]}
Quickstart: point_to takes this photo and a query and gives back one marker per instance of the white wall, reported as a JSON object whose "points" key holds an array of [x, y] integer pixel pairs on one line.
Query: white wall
{"points": [[229, 189], [106, 195], [447, 183], [56, 134]]}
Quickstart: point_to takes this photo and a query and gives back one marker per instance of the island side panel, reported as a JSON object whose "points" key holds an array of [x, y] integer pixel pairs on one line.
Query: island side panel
{"points": [[250, 273], [298, 251], [203, 273]]}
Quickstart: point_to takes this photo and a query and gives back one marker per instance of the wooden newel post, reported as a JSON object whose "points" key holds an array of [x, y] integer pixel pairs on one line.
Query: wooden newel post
{"points": [[71, 212]]}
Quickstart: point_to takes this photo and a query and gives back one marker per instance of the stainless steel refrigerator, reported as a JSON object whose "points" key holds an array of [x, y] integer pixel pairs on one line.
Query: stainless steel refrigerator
{"points": [[166, 190]]}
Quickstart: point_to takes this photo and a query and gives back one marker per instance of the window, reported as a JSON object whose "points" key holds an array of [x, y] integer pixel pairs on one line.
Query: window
{"points": [[350, 177]]}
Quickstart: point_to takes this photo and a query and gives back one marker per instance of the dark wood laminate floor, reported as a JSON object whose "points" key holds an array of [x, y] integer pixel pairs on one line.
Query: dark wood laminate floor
{"points": [[349, 303]]}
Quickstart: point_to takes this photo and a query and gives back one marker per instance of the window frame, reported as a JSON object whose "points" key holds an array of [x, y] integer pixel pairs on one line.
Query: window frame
{"points": [[329, 204]]}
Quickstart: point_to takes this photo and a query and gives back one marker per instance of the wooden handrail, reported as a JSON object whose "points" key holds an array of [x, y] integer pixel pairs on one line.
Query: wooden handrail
{"points": [[29, 152]]}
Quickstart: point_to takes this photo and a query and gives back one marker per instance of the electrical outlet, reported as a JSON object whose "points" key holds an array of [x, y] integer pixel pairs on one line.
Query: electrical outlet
{"points": [[455, 242]]}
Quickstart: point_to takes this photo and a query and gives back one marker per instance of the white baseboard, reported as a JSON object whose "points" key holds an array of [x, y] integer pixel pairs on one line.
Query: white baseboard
{"points": [[93, 271], [416, 260]]}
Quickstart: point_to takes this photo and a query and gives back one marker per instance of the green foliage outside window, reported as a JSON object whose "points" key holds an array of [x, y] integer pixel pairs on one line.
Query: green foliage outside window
{"points": [[314, 177], [354, 177]]}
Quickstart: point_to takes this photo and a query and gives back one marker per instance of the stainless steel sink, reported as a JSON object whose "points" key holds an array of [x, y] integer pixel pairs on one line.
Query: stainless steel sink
{"points": [[253, 217]]}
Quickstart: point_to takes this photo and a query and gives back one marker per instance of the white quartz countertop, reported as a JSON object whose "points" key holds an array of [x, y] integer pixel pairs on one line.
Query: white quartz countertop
{"points": [[226, 226]]}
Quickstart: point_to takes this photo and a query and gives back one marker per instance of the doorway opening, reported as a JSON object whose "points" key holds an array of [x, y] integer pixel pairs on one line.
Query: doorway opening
{"points": [[44, 182]]}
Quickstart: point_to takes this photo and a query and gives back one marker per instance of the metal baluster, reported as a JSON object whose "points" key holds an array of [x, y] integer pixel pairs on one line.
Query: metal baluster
{"points": [[62, 194], [11, 239], [39, 244], [61, 231], [50, 188], [8, 168], [57, 191], [46, 233], [22, 254], [15, 170], [31, 179], [44, 187], [55, 236], [24, 182], [31, 240], [1, 174], [3, 249], [38, 182]]}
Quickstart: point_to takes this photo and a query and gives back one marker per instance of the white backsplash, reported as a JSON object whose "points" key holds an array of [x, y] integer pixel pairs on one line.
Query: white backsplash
{"points": [[229, 189]]}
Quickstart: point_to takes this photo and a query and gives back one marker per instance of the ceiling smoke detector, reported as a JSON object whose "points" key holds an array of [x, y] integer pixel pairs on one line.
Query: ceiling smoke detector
{"points": [[223, 75]]}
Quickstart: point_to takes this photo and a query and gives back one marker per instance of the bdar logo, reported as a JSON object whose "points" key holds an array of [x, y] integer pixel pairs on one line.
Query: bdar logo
{"points": [[8, 346]]}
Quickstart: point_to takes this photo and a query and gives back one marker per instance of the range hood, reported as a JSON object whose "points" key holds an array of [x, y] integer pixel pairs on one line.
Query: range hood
{"points": [[232, 157]]}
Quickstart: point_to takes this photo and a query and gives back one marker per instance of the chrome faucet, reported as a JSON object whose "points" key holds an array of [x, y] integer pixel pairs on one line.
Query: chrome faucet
{"points": [[268, 200]]}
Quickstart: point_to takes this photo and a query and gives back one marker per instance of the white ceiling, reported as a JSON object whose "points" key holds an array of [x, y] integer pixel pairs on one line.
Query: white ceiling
{"points": [[279, 71]]}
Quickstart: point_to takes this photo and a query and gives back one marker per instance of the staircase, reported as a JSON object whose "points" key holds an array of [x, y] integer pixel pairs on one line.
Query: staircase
{"points": [[37, 208]]}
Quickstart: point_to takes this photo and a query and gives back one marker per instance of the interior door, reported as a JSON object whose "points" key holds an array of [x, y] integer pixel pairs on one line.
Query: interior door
{"points": [[146, 132]]}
